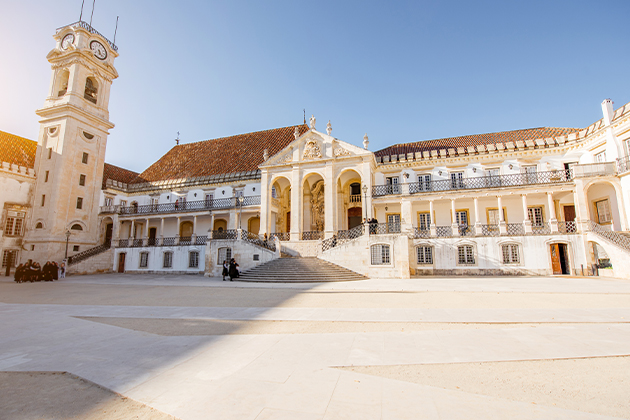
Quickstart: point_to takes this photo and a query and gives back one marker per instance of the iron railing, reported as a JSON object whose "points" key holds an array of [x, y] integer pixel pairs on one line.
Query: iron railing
{"points": [[255, 239], [444, 231], [567, 227], [542, 229], [614, 237], [466, 230], [384, 228], [282, 236], [201, 240], [183, 207], [490, 230], [225, 234], [91, 30], [169, 241], [482, 182], [312, 235], [351, 234], [515, 229], [623, 164], [185, 240], [73, 259], [421, 233], [594, 169]]}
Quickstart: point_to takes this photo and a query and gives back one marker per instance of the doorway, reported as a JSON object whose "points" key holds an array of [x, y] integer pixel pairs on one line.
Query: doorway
{"points": [[288, 221], [354, 217], [152, 234], [121, 262], [569, 213], [559, 259], [108, 233]]}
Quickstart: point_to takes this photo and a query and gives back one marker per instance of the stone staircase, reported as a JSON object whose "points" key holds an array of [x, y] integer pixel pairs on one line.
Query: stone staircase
{"points": [[299, 270]]}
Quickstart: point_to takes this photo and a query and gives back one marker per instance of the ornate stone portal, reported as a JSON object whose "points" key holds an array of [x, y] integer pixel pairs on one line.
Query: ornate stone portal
{"points": [[317, 205], [311, 150]]}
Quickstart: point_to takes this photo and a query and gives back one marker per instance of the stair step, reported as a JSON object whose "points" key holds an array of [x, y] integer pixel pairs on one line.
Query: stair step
{"points": [[299, 270]]}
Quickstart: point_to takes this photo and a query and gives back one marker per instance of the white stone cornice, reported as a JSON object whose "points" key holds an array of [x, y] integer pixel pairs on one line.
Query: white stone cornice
{"points": [[68, 110]]}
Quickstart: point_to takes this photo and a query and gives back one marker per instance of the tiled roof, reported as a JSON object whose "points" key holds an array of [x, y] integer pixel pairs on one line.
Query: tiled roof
{"points": [[116, 173], [476, 139], [17, 150], [240, 153]]}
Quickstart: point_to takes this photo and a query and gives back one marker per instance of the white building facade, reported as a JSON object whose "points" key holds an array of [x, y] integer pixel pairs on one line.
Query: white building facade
{"points": [[526, 202]]}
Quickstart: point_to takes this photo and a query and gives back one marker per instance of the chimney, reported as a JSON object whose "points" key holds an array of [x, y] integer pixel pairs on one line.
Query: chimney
{"points": [[607, 109]]}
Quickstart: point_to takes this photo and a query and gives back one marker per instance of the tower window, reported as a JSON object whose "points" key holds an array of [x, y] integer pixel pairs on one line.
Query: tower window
{"points": [[81, 179], [91, 90], [75, 248], [43, 199], [46, 177], [76, 226], [49, 152], [79, 202], [64, 76], [14, 224], [84, 159]]}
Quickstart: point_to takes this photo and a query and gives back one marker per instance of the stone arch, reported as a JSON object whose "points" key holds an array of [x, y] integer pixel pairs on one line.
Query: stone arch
{"points": [[279, 210], [91, 89], [253, 224], [106, 229], [185, 229], [570, 254], [75, 223], [61, 86], [603, 203], [313, 202]]}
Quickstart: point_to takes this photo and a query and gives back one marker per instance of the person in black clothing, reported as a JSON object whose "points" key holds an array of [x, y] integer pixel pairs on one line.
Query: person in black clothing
{"points": [[19, 274], [233, 269], [55, 270], [226, 269]]}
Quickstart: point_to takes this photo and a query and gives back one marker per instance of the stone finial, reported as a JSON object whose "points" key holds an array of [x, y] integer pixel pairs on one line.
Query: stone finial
{"points": [[328, 128], [296, 133], [265, 155], [365, 141], [312, 121]]}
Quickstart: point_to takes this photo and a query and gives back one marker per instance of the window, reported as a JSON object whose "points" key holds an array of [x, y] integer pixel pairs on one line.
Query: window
{"points": [[79, 202], [15, 223], [465, 255], [75, 248], [123, 203], [531, 174], [457, 180], [493, 216], [46, 176], [425, 254], [424, 182], [393, 223], [109, 201], [193, 259], [510, 254], [50, 153], [43, 199], [168, 260], [600, 157], [209, 198], [494, 179], [91, 90], [76, 226], [256, 257], [392, 181], [603, 212], [144, 259], [39, 225], [424, 221], [461, 217], [82, 180], [224, 254], [9, 253], [380, 254], [535, 215], [85, 157], [64, 76], [274, 193]]}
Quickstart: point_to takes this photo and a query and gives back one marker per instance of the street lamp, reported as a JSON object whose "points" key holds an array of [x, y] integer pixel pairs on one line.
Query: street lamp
{"points": [[365, 188], [67, 238]]}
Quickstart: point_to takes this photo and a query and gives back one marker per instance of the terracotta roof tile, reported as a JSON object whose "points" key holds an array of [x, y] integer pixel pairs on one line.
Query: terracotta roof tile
{"points": [[476, 139], [17, 150], [225, 155], [117, 173]]}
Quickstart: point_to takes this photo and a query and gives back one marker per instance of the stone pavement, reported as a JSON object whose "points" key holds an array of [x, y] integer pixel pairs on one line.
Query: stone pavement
{"points": [[132, 334]]}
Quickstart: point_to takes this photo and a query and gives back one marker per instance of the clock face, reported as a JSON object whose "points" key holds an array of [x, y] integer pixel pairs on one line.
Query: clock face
{"points": [[67, 41], [99, 50]]}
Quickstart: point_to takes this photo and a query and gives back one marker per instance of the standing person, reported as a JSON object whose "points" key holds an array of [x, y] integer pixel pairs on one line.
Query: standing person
{"points": [[62, 271], [226, 269], [233, 270], [19, 273], [55, 270]]}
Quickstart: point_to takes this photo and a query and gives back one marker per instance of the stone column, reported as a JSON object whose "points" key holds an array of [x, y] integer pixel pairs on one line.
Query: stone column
{"points": [[502, 225], [330, 202], [367, 181], [161, 231], [211, 226], [478, 229], [454, 224], [131, 232], [265, 203], [145, 240], [177, 232], [527, 224], [406, 223], [433, 226], [194, 233], [582, 211], [296, 204], [553, 222]]}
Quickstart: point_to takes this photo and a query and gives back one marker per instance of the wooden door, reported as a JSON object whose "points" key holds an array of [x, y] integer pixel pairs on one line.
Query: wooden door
{"points": [[569, 213], [555, 259], [108, 232], [288, 221], [121, 262], [354, 217]]}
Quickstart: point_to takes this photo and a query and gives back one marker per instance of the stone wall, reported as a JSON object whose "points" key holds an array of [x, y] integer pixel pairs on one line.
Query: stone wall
{"points": [[302, 248], [247, 255], [101, 263]]}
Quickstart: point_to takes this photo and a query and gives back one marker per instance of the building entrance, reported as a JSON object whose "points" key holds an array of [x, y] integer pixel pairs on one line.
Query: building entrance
{"points": [[559, 259]]}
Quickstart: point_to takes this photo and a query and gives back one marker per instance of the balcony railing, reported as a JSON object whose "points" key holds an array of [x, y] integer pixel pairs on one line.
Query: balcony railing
{"points": [[355, 198], [594, 169], [421, 233], [490, 230], [482, 182], [183, 207], [515, 229], [623, 164], [225, 234], [312, 235], [384, 228], [541, 229], [444, 231], [567, 227], [282, 236]]}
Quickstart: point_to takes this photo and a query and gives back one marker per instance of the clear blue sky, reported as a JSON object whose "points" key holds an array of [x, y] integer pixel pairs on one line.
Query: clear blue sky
{"points": [[399, 71]]}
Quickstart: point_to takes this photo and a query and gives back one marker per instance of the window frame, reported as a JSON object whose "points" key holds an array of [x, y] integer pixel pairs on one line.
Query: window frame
{"points": [[424, 253], [427, 224], [530, 213], [167, 259], [228, 250], [82, 178], [380, 254], [513, 254], [79, 203], [190, 259], [597, 211], [144, 260], [469, 258], [85, 158], [5, 256]]}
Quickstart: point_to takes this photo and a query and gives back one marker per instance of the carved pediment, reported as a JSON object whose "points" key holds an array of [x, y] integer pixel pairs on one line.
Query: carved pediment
{"points": [[311, 150], [340, 151]]}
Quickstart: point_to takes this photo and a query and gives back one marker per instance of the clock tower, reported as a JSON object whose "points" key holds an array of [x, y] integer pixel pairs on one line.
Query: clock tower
{"points": [[73, 132]]}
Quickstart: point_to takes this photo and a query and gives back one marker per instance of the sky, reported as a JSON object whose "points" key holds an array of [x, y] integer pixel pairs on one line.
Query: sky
{"points": [[399, 71]]}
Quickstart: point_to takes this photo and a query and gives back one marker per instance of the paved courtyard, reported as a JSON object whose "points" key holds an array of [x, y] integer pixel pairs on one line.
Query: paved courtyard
{"points": [[431, 348]]}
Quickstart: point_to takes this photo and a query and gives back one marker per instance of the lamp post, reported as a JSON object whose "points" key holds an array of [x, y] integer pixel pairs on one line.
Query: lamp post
{"points": [[67, 238], [365, 188]]}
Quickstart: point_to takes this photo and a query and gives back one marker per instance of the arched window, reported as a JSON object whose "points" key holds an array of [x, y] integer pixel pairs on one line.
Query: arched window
{"points": [[355, 188], [39, 225], [186, 229], [380, 254], [193, 259], [91, 90], [76, 226], [62, 82]]}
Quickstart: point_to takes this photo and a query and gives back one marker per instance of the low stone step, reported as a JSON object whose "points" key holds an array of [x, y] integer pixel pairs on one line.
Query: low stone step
{"points": [[299, 270]]}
